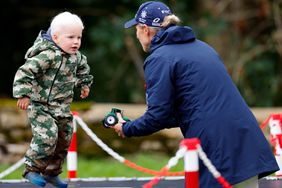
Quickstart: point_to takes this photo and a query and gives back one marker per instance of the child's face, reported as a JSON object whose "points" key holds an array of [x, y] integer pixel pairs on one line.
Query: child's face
{"points": [[68, 38]]}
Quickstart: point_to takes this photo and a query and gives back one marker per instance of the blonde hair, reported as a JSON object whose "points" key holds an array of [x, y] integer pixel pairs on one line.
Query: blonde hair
{"points": [[170, 19], [65, 19]]}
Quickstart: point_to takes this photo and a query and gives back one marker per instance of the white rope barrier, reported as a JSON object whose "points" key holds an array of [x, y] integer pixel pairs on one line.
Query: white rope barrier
{"points": [[12, 168], [207, 162], [174, 160], [216, 174], [98, 140], [181, 153]]}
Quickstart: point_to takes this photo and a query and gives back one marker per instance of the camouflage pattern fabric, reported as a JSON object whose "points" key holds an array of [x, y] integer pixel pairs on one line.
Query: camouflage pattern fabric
{"points": [[51, 137], [48, 78], [50, 75]]}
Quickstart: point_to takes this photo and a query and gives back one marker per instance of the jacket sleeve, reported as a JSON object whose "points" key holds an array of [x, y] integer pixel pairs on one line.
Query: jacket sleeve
{"points": [[160, 100], [83, 73], [28, 72]]}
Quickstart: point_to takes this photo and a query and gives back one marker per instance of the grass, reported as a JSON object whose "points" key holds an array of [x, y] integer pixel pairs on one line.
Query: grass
{"points": [[101, 167], [109, 167], [10, 102]]}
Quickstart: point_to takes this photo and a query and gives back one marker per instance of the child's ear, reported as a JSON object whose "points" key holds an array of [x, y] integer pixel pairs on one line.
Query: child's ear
{"points": [[55, 38]]}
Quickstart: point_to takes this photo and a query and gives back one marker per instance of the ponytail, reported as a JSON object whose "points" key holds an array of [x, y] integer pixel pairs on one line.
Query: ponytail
{"points": [[170, 19]]}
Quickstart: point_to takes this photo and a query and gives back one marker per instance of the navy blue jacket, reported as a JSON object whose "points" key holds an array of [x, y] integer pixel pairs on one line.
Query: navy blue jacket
{"points": [[187, 86]]}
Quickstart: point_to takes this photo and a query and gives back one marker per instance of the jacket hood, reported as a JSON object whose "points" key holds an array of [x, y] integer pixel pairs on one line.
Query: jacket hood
{"points": [[47, 35], [42, 42], [172, 35]]}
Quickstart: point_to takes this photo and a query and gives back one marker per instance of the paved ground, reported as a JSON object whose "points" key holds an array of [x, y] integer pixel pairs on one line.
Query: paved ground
{"points": [[126, 183]]}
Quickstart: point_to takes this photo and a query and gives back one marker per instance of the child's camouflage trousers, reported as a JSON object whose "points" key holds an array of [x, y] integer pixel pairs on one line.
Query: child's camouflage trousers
{"points": [[52, 133]]}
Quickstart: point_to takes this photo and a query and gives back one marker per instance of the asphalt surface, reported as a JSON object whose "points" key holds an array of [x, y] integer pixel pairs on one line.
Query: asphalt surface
{"points": [[126, 183]]}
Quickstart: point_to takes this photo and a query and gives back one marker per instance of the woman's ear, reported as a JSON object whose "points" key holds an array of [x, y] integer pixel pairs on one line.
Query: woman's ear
{"points": [[146, 29]]}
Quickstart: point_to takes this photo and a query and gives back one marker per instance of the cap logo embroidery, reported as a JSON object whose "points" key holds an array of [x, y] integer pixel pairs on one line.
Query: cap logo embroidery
{"points": [[151, 14], [166, 11], [143, 14], [142, 20], [156, 20]]}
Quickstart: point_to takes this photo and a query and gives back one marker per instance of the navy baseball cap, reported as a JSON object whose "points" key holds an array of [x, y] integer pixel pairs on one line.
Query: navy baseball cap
{"points": [[151, 13]]}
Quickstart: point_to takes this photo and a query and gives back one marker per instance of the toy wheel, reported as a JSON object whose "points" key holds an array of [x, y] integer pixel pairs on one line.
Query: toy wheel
{"points": [[110, 120]]}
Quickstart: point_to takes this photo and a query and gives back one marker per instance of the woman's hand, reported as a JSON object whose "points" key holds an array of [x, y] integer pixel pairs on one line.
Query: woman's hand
{"points": [[118, 127]]}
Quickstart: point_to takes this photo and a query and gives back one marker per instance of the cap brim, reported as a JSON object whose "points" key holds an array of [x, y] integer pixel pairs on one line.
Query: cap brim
{"points": [[130, 23]]}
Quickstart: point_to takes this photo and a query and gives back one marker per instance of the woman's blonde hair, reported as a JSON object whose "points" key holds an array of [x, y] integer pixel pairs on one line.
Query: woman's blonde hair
{"points": [[170, 19]]}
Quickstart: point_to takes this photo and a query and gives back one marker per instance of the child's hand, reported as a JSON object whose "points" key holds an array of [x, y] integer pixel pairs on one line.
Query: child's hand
{"points": [[23, 103], [84, 92]]}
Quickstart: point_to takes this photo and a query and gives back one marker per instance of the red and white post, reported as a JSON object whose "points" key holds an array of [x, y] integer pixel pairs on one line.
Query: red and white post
{"points": [[275, 125], [72, 153], [191, 163]]}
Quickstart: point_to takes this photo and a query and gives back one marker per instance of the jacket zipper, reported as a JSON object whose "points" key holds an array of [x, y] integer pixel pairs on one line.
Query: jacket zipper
{"points": [[54, 81]]}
